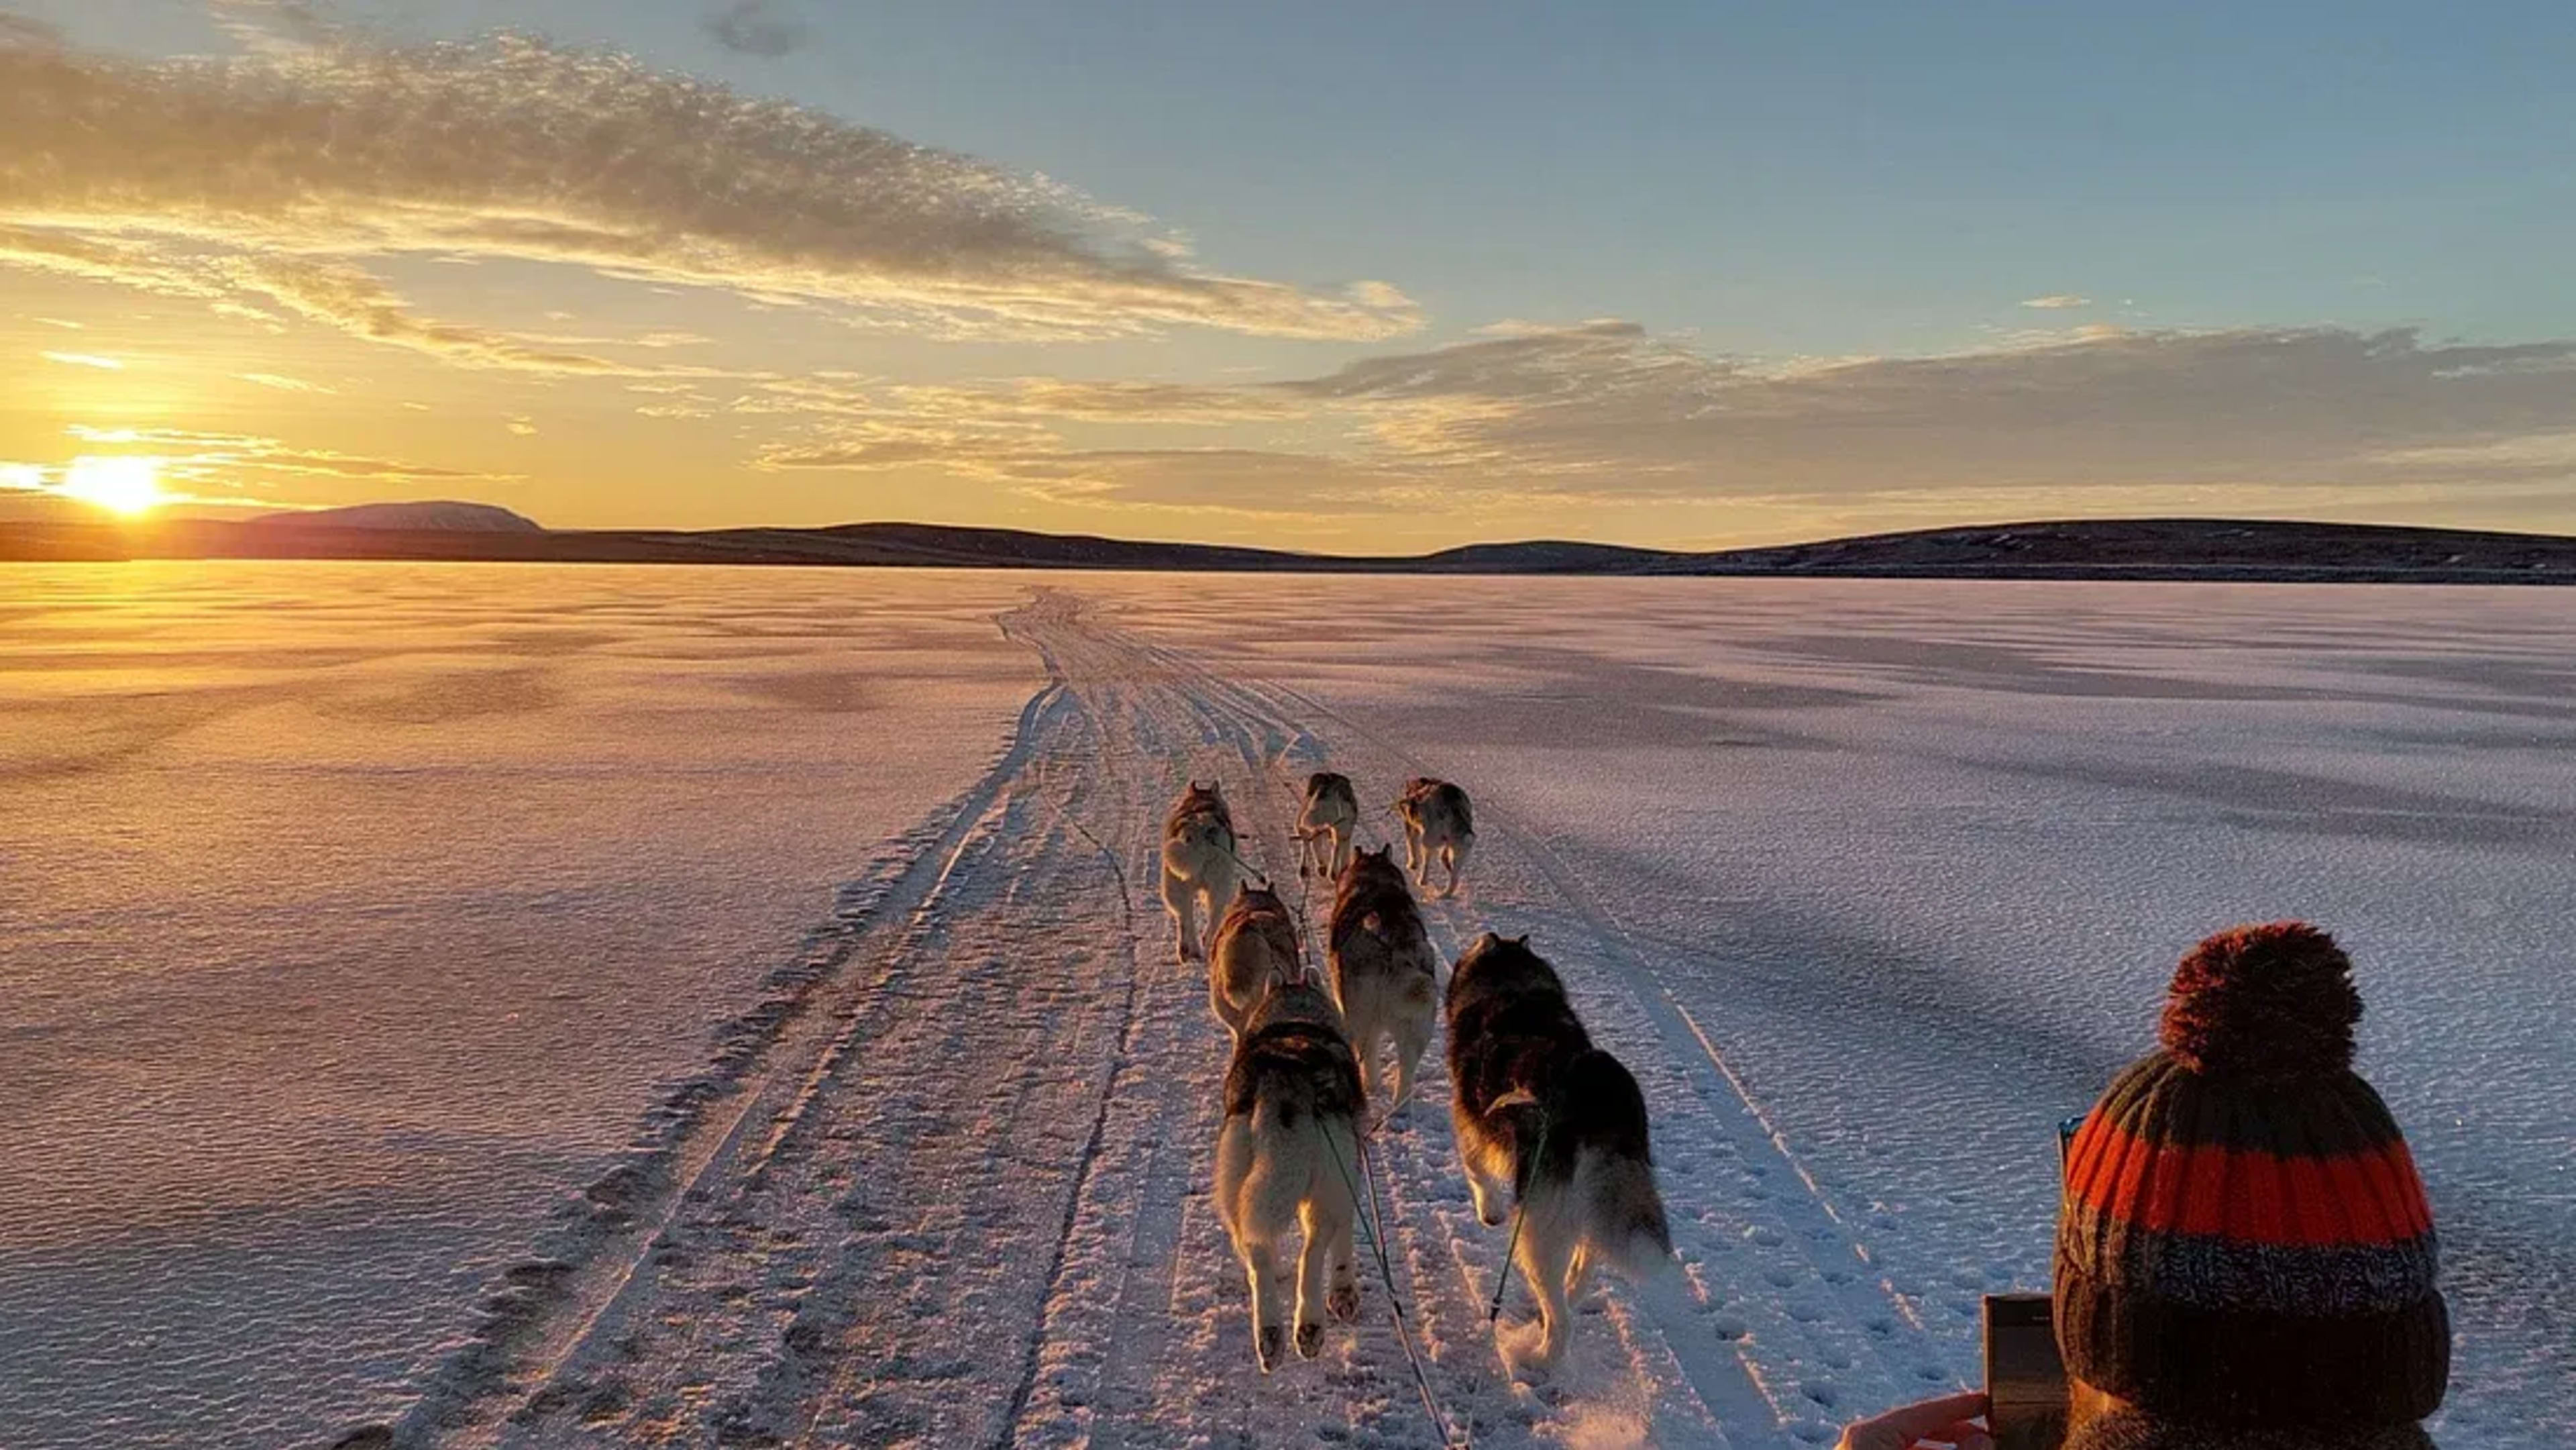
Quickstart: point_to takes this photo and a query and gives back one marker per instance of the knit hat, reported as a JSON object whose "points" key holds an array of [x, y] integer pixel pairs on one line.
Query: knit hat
{"points": [[2244, 1241]]}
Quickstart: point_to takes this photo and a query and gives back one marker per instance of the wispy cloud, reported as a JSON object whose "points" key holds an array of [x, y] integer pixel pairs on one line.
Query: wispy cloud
{"points": [[283, 383], [1607, 412], [82, 360], [275, 177], [757, 27], [237, 458], [2057, 300]]}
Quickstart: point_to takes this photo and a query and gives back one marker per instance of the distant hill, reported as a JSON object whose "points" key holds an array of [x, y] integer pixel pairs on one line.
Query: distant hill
{"points": [[2227, 549], [481, 518]]}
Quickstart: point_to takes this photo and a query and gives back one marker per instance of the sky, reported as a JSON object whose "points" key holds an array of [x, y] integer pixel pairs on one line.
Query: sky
{"points": [[1352, 277]]}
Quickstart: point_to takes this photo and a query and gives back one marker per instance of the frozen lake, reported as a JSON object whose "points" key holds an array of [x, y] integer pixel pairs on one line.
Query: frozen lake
{"points": [[358, 918]]}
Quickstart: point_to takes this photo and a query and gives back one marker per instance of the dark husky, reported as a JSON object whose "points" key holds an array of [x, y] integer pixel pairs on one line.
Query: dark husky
{"points": [[1256, 944], [1438, 825], [1541, 1109], [1324, 827], [1385, 974], [1198, 864], [1286, 1156]]}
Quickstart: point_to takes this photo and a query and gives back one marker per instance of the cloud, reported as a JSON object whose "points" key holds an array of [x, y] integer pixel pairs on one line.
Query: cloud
{"points": [[2056, 300], [82, 360], [757, 27], [1607, 412], [236, 457], [279, 175], [283, 383]]}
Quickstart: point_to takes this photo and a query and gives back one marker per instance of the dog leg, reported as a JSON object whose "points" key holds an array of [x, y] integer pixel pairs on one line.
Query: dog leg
{"points": [[1261, 1267], [1219, 1003], [1343, 1302], [1341, 850], [1313, 1262], [1543, 1263], [1180, 898], [1412, 1035]]}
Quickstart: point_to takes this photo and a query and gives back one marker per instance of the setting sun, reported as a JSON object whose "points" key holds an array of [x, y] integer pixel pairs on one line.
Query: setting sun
{"points": [[123, 484]]}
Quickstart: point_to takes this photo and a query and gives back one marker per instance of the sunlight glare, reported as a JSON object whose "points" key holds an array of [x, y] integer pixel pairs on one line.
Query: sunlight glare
{"points": [[125, 484]]}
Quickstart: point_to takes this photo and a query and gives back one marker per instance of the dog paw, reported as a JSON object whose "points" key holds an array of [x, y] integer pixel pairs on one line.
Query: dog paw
{"points": [[1310, 1339], [1269, 1346], [1525, 1352], [1343, 1303]]}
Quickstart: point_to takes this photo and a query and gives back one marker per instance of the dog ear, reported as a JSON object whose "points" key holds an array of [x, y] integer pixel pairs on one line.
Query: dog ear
{"points": [[1522, 940]]}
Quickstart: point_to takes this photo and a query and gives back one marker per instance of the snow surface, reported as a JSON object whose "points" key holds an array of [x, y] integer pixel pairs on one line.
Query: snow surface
{"points": [[351, 914], [1869, 882]]}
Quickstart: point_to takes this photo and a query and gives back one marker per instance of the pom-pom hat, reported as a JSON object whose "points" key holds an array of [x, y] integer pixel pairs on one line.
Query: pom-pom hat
{"points": [[2244, 1240]]}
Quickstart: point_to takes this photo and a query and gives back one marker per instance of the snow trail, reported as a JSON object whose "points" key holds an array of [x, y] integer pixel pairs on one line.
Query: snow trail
{"points": [[948, 1186]]}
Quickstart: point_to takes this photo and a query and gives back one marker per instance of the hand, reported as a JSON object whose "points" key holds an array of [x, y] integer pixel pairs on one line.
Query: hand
{"points": [[1950, 1420]]}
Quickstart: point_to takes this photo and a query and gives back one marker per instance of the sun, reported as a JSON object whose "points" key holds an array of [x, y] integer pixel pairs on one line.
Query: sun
{"points": [[122, 484]]}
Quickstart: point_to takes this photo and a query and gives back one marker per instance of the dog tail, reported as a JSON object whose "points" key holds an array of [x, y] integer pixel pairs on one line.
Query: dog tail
{"points": [[1599, 1106]]}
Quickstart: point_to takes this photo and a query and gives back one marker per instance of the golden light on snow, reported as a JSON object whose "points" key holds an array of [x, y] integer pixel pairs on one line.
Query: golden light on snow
{"points": [[122, 483]]}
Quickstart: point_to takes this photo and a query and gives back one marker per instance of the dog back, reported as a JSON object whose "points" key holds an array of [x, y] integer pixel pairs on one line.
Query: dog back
{"points": [[1258, 912], [1330, 792], [1293, 1065], [1437, 804], [1512, 1034], [1375, 923]]}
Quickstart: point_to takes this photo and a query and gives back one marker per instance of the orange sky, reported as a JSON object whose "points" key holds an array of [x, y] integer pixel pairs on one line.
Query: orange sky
{"points": [[318, 265]]}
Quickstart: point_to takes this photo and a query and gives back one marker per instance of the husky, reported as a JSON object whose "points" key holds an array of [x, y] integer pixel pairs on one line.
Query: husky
{"points": [[1540, 1110], [1385, 975], [1324, 827], [1287, 1154], [1438, 825], [1256, 944], [1198, 865]]}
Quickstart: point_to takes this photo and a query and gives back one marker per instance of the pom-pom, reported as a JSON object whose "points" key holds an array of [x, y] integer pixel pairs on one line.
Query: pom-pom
{"points": [[2264, 1002]]}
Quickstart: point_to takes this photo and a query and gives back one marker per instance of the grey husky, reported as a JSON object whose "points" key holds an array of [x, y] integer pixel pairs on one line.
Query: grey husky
{"points": [[1324, 827], [1198, 865], [1385, 974], [1285, 1158], [1438, 825], [1256, 945], [1541, 1110]]}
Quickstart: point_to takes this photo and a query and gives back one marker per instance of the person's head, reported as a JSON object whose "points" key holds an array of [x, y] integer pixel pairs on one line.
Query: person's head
{"points": [[2244, 1243]]}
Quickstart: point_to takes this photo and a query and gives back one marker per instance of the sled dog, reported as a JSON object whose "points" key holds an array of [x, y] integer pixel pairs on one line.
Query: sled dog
{"points": [[1438, 825], [1286, 1155], [1385, 975], [1198, 865], [1561, 1123], [1324, 828], [1256, 944]]}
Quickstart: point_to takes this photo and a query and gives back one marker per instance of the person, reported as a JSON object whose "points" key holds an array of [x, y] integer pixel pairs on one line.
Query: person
{"points": [[2245, 1258]]}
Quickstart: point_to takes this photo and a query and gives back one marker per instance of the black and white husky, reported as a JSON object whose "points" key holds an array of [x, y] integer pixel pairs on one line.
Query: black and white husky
{"points": [[1286, 1158], [1198, 865], [1256, 945], [1385, 975], [1438, 825], [1559, 1122], [1324, 827]]}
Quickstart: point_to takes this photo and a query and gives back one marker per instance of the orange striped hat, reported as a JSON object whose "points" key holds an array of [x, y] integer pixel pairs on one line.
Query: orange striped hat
{"points": [[2244, 1240]]}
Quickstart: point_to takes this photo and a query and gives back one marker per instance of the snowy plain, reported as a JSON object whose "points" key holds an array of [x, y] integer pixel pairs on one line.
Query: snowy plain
{"points": [[600, 1006], [350, 914]]}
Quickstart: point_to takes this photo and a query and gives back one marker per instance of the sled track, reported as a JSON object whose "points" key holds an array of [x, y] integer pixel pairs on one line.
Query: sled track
{"points": [[947, 1183]]}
